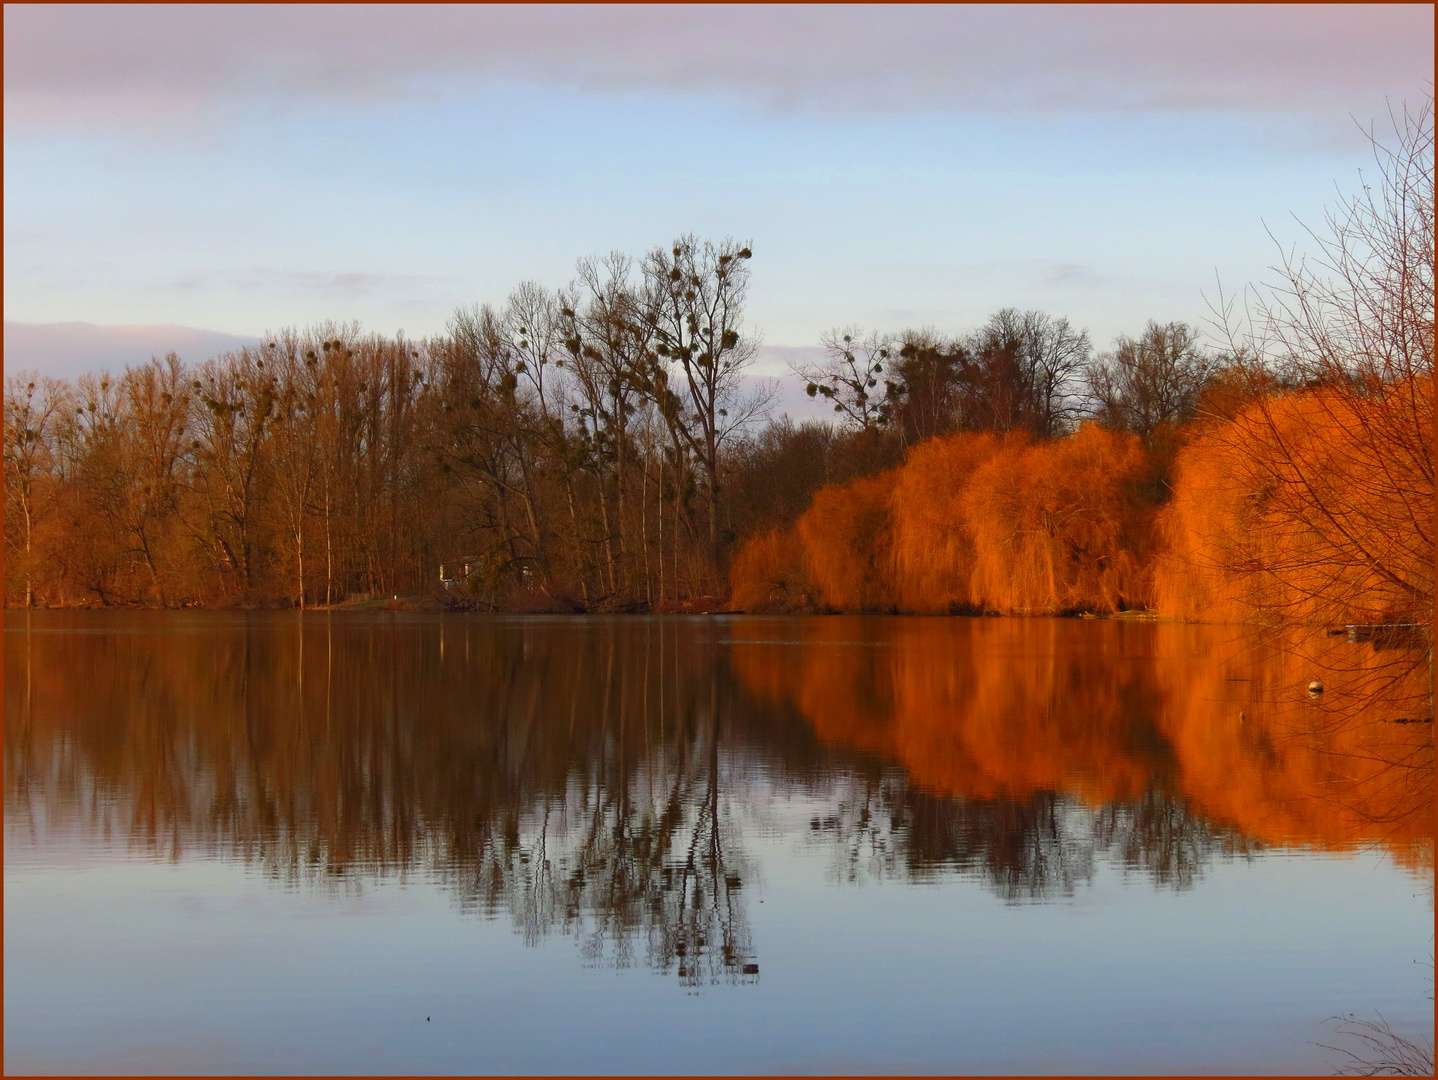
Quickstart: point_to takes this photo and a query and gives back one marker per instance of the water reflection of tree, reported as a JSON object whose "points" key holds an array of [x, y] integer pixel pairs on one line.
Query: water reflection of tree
{"points": [[1158, 835], [598, 779], [1025, 849], [579, 781], [615, 862], [1219, 718], [1039, 847]]}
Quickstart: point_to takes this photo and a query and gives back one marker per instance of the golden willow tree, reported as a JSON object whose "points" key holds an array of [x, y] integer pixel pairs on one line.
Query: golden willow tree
{"points": [[1289, 480], [1315, 502]]}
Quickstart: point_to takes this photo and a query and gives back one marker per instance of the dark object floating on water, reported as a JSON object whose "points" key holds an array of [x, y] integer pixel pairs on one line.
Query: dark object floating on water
{"points": [[1315, 688], [1411, 720], [751, 969], [1386, 633]]}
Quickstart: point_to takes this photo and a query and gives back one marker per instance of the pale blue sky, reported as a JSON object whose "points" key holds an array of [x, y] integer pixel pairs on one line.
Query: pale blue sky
{"points": [[242, 170]]}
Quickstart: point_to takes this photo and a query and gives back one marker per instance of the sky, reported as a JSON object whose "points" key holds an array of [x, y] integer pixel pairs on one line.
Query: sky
{"points": [[188, 177]]}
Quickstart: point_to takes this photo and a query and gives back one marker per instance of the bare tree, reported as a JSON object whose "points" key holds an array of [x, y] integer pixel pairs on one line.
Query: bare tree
{"points": [[851, 375], [924, 392], [1054, 355], [608, 339], [297, 449], [1019, 371], [698, 293], [157, 405], [232, 426], [28, 422], [1150, 380], [533, 335], [489, 431], [1344, 460]]}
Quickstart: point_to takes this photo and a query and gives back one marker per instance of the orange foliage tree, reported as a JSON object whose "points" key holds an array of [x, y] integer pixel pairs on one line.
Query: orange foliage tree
{"points": [[934, 552], [971, 522], [1304, 493], [1294, 509], [847, 542], [1339, 471], [1060, 526], [767, 574]]}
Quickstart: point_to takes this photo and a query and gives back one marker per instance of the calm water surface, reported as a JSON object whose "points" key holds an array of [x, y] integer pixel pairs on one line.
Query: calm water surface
{"points": [[399, 842]]}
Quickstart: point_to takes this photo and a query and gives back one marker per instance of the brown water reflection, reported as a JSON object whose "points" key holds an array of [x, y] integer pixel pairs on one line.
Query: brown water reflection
{"points": [[607, 777]]}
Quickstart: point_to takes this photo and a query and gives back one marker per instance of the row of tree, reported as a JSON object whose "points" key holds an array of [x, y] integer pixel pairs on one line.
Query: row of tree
{"points": [[1022, 370], [563, 450], [601, 446], [1290, 476], [595, 447]]}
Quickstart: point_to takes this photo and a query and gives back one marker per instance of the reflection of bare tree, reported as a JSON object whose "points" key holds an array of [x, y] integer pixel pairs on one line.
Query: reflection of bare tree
{"points": [[1035, 848], [637, 843], [581, 780], [1025, 849], [598, 779], [1159, 835], [615, 867]]}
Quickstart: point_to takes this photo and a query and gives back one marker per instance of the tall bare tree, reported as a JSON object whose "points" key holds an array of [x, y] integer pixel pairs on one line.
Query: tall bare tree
{"points": [[157, 404], [1020, 370], [297, 455], [698, 292], [236, 400], [852, 376], [1349, 325], [32, 406]]}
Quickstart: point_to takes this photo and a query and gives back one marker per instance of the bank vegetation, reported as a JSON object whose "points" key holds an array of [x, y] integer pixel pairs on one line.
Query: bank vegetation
{"points": [[603, 446]]}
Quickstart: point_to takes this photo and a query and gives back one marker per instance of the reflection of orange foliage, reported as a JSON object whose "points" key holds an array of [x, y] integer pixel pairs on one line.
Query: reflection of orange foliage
{"points": [[1255, 748], [999, 750], [956, 702], [847, 544], [986, 707], [840, 672], [1316, 505]]}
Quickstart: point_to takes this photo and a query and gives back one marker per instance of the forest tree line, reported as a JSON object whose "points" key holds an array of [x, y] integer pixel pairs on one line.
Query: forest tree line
{"points": [[595, 447], [1288, 477], [565, 449], [600, 447]]}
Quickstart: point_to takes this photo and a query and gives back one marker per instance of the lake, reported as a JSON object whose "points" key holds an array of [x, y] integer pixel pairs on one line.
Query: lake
{"points": [[433, 843]]}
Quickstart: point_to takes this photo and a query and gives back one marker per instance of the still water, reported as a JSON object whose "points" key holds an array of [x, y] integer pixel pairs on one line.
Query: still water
{"points": [[402, 842]]}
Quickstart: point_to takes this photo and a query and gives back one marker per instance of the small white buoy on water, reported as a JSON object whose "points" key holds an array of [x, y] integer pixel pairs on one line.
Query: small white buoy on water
{"points": [[1315, 688]]}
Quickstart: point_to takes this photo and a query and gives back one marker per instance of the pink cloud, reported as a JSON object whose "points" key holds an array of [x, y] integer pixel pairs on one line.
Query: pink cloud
{"points": [[67, 350], [129, 67]]}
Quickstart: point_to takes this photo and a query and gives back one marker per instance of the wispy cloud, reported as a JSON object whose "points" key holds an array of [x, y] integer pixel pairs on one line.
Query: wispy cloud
{"points": [[1078, 275], [118, 68], [72, 348], [351, 285]]}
